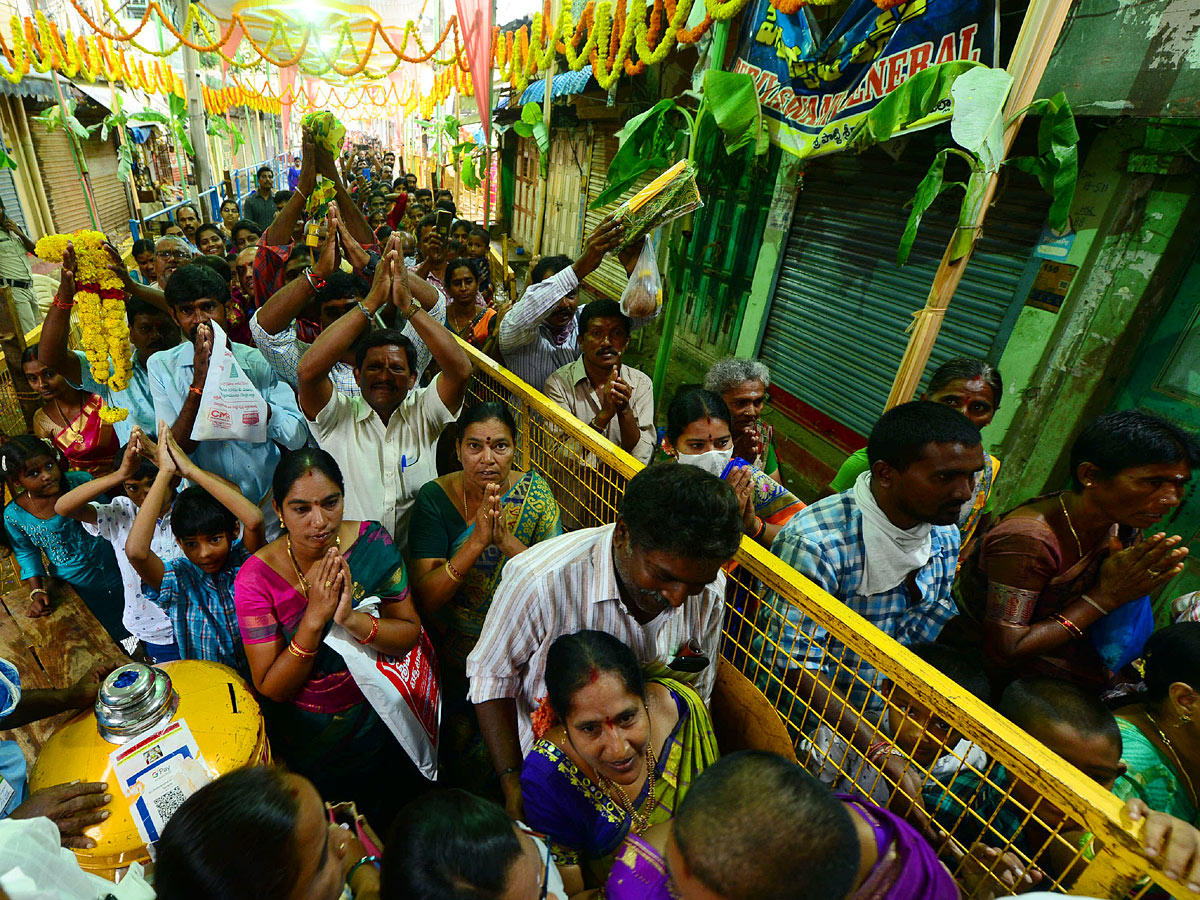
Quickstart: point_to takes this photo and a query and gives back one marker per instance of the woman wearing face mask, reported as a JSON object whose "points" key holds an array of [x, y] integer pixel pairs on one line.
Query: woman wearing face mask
{"points": [[297, 855], [698, 434], [453, 844], [616, 753]]}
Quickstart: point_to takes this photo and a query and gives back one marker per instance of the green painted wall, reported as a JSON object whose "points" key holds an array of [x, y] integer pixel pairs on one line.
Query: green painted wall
{"points": [[1065, 368], [788, 180]]}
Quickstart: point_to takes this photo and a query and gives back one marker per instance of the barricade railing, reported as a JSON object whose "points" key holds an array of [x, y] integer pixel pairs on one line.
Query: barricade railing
{"points": [[1005, 794], [1017, 797], [243, 180]]}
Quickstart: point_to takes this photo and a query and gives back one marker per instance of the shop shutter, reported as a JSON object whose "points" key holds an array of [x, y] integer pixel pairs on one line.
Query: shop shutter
{"points": [[610, 279], [12, 203], [112, 205], [836, 330], [63, 188]]}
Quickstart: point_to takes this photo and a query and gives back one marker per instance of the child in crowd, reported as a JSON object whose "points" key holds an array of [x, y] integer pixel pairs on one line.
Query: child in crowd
{"points": [[478, 242], [86, 562], [113, 521], [915, 733], [992, 810], [196, 589]]}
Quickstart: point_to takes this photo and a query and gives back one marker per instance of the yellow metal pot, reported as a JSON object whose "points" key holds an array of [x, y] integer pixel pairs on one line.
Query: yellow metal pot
{"points": [[216, 703]]}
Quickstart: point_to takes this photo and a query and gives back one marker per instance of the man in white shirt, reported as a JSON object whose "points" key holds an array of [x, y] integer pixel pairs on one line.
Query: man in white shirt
{"points": [[615, 400], [15, 271], [653, 580], [385, 439], [539, 334]]}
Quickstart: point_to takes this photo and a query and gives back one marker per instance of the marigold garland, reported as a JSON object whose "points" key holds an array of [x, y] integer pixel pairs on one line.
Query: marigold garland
{"points": [[100, 310]]}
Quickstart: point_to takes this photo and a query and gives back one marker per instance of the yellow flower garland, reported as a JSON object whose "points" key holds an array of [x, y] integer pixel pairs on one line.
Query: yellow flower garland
{"points": [[105, 331]]}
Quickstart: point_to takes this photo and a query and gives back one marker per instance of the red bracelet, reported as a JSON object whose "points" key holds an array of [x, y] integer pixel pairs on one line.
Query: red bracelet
{"points": [[199, 392], [1071, 628], [61, 305], [374, 631], [762, 526]]}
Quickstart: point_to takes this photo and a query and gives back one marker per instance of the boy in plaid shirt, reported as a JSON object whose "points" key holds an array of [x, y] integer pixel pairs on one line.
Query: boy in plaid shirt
{"points": [[196, 590]]}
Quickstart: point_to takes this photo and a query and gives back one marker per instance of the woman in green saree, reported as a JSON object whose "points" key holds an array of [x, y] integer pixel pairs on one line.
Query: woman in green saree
{"points": [[615, 755], [465, 526]]}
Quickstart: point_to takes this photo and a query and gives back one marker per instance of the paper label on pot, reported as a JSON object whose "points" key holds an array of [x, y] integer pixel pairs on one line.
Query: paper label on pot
{"points": [[158, 771]]}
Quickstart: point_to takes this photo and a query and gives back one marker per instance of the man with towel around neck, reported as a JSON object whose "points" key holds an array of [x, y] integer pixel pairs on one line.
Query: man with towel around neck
{"points": [[887, 548]]}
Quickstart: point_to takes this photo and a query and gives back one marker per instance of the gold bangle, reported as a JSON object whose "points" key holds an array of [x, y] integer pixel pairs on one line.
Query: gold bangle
{"points": [[298, 651], [454, 574]]}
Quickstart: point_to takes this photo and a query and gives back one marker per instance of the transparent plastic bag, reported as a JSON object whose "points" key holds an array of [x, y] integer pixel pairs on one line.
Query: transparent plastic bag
{"points": [[643, 294]]}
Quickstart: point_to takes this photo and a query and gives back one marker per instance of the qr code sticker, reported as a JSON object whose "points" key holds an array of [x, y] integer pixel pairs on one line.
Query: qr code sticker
{"points": [[167, 802]]}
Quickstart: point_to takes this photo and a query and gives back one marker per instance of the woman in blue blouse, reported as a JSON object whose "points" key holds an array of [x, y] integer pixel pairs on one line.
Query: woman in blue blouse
{"points": [[84, 561]]}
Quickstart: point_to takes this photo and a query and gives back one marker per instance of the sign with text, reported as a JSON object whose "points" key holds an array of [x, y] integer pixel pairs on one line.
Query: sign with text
{"points": [[814, 93]]}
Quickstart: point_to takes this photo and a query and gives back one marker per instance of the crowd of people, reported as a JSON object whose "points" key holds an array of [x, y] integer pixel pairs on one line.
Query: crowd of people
{"points": [[577, 666]]}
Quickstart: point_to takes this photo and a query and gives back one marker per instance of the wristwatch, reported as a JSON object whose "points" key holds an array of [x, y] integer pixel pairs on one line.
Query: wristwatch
{"points": [[368, 271], [413, 309]]}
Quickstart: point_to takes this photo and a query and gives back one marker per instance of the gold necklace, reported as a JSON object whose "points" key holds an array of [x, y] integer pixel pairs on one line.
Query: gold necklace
{"points": [[1067, 516], [1175, 756], [337, 540]]}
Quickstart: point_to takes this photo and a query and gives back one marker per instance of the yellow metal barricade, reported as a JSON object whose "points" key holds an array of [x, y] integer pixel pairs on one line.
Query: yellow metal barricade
{"points": [[1024, 801]]}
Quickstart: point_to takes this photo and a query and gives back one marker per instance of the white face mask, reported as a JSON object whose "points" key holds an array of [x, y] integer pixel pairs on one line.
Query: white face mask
{"points": [[711, 461]]}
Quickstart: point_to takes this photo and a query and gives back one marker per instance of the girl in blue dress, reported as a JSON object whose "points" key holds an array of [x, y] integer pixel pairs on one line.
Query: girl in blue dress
{"points": [[35, 481]]}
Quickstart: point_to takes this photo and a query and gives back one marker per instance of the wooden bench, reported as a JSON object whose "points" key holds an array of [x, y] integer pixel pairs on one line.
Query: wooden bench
{"points": [[54, 651]]}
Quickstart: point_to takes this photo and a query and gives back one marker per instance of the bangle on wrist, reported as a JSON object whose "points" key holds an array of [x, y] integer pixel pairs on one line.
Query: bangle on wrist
{"points": [[374, 631], [1092, 603], [362, 308], [372, 860], [315, 283], [509, 771], [762, 526], [198, 391], [59, 303]]}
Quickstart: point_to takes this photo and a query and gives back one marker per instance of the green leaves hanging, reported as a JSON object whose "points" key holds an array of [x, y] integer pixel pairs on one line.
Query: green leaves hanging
{"points": [[219, 128], [1056, 167], [55, 117], [531, 125]]}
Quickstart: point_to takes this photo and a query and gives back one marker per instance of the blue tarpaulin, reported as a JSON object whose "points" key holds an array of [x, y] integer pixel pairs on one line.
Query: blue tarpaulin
{"points": [[563, 85]]}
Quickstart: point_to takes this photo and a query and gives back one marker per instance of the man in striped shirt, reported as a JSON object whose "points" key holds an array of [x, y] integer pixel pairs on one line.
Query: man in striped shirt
{"points": [[540, 333], [653, 580]]}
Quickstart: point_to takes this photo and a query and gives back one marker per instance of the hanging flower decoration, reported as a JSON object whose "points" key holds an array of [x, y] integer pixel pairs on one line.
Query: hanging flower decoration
{"points": [[100, 307]]}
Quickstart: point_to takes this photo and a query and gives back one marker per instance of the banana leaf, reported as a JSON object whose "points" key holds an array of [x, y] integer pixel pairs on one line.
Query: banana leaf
{"points": [[931, 187], [732, 100], [910, 102], [1056, 167], [647, 141], [978, 122]]}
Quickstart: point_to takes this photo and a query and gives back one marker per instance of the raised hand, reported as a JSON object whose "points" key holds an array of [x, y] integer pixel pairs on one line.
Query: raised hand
{"points": [[620, 393], [66, 283], [345, 604], [606, 236], [166, 463], [330, 256], [1141, 569], [325, 579], [202, 355], [743, 487], [116, 265]]}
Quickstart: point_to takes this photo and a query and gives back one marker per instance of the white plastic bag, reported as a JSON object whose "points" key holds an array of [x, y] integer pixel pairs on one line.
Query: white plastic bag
{"points": [[231, 409], [405, 691], [643, 294]]}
